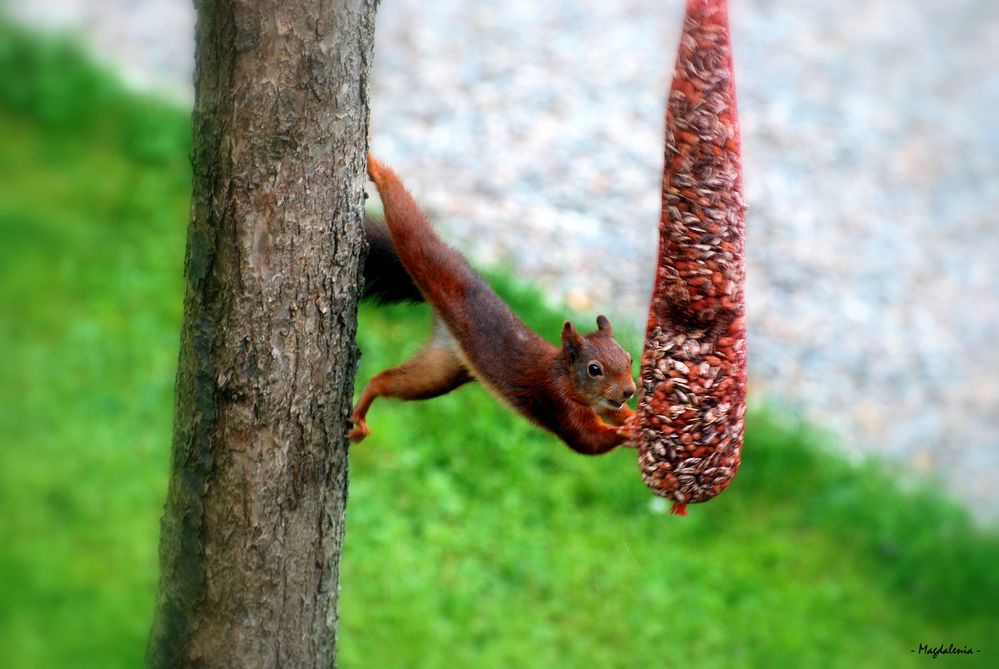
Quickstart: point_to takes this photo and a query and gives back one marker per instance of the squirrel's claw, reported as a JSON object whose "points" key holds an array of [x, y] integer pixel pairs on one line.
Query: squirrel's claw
{"points": [[360, 431], [374, 168], [629, 432]]}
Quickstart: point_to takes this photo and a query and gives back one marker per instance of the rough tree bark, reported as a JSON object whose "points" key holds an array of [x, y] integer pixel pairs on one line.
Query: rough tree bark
{"points": [[253, 523]]}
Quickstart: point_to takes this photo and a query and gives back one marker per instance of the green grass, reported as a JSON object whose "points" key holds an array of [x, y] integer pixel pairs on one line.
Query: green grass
{"points": [[473, 539]]}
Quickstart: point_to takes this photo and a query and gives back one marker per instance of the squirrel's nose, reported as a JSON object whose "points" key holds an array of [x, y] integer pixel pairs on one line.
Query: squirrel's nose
{"points": [[628, 392]]}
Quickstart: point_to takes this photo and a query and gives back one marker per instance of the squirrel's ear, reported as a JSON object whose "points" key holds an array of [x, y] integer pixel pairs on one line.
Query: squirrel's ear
{"points": [[604, 325], [571, 341]]}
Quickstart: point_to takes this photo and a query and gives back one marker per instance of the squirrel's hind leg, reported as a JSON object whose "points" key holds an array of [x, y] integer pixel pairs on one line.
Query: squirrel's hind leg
{"points": [[435, 370]]}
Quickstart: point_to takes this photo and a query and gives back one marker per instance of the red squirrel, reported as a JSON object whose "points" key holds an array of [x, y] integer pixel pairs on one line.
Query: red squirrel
{"points": [[577, 391]]}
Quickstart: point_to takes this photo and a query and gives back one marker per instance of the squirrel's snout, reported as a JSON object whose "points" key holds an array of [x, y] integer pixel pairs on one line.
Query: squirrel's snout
{"points": [[628, 392]]}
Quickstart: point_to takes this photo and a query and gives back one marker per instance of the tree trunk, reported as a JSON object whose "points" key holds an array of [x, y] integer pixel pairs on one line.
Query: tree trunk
{"points": [[252, 530]]}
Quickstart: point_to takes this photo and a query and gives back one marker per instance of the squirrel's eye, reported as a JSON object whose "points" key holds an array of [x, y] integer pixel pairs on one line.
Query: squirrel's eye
{"points": [[594, 369]]}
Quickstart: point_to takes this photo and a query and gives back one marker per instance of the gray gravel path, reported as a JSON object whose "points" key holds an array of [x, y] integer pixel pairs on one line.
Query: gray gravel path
{"points": [[532, 132]]}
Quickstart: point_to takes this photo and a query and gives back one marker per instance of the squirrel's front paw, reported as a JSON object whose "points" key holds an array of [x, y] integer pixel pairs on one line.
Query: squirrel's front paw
{"points": [[629, 432]]}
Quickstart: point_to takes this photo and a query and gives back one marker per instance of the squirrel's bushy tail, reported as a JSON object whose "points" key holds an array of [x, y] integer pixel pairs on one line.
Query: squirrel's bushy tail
{"points": [[440, 273], [386, 280]]}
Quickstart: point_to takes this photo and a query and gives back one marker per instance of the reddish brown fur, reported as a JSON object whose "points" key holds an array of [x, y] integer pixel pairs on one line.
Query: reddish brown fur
{"points": [[550, 386]]}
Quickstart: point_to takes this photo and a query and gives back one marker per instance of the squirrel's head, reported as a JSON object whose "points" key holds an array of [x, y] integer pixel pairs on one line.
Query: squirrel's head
{"points": [[599, 368]]}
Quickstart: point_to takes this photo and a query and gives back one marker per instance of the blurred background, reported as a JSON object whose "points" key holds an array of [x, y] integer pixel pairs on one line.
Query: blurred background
{"points": [[863, 522]]}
